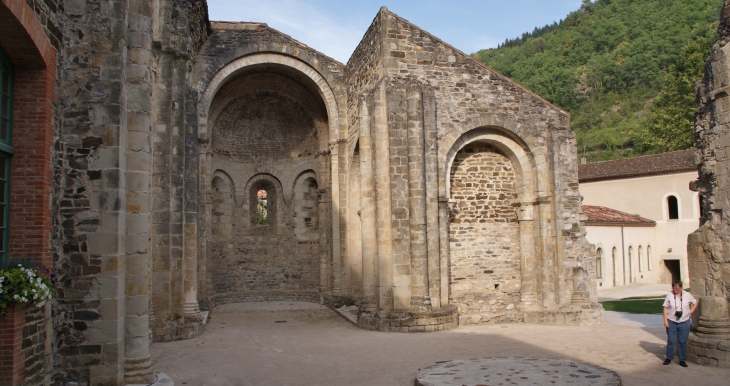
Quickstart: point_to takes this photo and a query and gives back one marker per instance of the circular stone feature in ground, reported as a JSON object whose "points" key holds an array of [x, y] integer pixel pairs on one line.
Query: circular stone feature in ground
{"points": [[516, 371]]}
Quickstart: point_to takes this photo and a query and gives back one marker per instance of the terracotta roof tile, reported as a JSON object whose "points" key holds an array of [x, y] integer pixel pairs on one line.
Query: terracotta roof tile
{"points": [[677, 161], [600, 215]]}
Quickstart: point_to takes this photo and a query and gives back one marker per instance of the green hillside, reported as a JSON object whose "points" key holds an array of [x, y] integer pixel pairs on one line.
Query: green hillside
{"points": [[625, 69]]}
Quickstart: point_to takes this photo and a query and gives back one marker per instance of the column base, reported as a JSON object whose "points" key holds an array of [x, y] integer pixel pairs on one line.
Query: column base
{"points": [[138, 370], [708, 351], [444, 318], [192, 313]]}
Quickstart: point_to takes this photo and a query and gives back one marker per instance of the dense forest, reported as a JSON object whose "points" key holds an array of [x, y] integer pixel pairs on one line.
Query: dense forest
{"points": [[625, 69]]}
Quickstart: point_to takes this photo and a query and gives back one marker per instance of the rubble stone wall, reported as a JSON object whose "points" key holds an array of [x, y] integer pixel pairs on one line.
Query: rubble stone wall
{"points": [[484, 235]]}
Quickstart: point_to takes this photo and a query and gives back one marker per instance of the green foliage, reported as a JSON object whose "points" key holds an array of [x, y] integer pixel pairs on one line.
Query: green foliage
{"points": [[635, 306], [25, 285], [262, 213], [608, 61], [671, 122]]}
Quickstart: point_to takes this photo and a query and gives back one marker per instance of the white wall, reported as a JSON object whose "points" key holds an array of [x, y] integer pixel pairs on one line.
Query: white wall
{"points": [[647, 197], [609, 237]]}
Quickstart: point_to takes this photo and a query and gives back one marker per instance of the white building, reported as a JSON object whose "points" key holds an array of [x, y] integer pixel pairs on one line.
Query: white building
{"points": [[655, 188]]}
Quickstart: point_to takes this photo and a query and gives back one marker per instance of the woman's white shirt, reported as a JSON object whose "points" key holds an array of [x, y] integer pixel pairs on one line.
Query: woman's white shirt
{"points": [[673, 302]]}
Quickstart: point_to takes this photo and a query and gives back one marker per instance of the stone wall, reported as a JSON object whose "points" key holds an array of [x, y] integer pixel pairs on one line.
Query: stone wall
{"points": [[708, 248], [123, 92], [90, 165], [25, 352], [469, 96], [270, 129], [36, 345], [50, 16], [484, 236]]}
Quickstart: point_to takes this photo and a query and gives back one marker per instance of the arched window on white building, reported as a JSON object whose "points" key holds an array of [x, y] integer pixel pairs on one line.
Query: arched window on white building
{"points": [[648, 257], [673, 208], [599, 263]]}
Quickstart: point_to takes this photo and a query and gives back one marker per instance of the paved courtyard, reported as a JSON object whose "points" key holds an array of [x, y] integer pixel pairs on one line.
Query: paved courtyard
{"points": [[297, 343]]}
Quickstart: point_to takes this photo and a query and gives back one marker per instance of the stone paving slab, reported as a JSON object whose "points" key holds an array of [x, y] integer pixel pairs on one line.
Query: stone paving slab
{"points": [[516, 371]]}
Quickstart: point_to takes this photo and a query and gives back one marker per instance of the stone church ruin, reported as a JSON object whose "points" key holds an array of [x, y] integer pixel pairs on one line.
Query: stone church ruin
{"points": [[191, 163]]}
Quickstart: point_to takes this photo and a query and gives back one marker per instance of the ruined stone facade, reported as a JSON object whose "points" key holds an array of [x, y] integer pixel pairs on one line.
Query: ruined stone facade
{"points": [[196, 163], [708, 249]]}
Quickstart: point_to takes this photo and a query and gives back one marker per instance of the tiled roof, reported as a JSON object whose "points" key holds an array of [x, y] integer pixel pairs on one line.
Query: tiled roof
{"points": [[676, 161], [600, 215]]}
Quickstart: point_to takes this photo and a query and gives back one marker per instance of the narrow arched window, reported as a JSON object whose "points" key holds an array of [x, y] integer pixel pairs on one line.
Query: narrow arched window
{"points": [[262, 201], [638, 256], [631, 266], [673, 207], [262, 210], [6, 151], [599, 263], [648, 257], [613, 264]]}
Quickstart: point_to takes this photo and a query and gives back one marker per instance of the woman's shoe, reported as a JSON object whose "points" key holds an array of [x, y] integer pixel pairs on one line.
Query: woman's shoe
{"points": [[667, 361]]}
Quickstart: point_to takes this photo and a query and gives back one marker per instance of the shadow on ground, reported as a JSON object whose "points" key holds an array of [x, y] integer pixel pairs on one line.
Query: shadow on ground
{"points": [[294, 343]]}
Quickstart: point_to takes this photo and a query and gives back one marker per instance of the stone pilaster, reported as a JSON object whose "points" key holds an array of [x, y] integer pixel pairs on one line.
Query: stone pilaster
{"points": [[384, 233], [137, 362], [526, 218], [417, 198], [431, 166], [367, 214]]}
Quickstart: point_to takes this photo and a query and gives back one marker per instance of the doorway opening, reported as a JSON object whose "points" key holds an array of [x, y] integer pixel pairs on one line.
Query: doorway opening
{"points": [[672, 271]]}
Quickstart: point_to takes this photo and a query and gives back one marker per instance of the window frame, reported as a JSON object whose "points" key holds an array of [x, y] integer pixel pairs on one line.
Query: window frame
{"points": [[6, 150]]}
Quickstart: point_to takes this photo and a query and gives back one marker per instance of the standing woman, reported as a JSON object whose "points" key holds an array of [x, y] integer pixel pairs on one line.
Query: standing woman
{"points": [[678, 308]]}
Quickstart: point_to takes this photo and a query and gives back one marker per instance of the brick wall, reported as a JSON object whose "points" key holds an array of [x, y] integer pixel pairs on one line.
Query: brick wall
{"points": [[12, 366], [31, 173]]}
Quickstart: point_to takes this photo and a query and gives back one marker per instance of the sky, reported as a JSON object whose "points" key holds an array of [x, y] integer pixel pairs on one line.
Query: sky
{"points": [[335, 27]]}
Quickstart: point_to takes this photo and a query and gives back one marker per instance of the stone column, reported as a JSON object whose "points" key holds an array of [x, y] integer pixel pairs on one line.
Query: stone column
{"points": [[714, 322], [710, 345], [137, 361], [384, 232], [547, 270], [433, 240], [337, 238], [417, 198], [323, 259], [526, 216], [353, 255], [444, 221], [367, 214]]}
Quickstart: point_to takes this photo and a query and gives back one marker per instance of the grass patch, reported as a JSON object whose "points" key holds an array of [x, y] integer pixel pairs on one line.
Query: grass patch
{"points": [[643, 298], [635, 306]]}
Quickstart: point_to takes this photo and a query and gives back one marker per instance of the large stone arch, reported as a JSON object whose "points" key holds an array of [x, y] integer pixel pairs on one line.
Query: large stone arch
{"points": [[233, 67], [512, 147], [527, 186], [286, 80]]}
